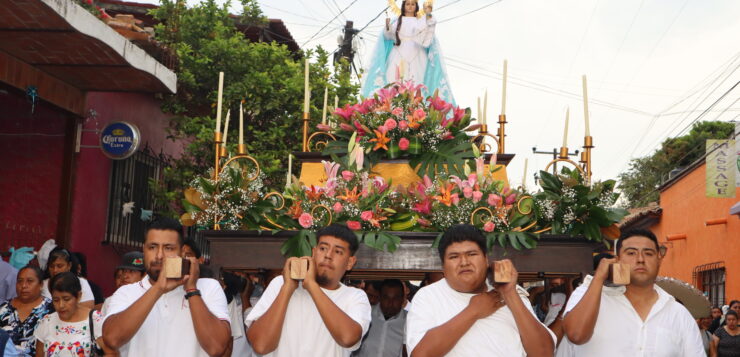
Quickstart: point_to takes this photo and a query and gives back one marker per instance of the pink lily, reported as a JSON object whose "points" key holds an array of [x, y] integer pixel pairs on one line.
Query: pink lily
{"points": [[440, 105], [345, 112], [323, 127]]}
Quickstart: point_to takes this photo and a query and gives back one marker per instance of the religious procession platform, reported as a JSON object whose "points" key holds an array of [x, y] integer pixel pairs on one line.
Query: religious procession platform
{"points": [[555, 255]]}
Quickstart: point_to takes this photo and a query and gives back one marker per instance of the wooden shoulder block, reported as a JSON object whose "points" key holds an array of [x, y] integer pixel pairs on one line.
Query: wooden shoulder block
{"points": [[619, 274], [502, 272], [298, 269], [176, 268]]}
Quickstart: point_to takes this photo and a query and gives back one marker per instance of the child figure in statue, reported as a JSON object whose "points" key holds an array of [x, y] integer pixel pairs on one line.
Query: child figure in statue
{"points": [[408, 51]]}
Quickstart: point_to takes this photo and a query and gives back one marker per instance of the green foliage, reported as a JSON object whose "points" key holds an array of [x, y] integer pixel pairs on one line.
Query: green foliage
{"points": [[640, 182], [266, 77]]}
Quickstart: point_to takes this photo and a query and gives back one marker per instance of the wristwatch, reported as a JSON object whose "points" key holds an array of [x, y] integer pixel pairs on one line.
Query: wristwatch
{"points": [[192, 293]]}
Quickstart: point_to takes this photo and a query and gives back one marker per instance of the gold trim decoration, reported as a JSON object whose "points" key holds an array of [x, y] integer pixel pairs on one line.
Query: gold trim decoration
{"points": [[247, 158], [477, 211], [328, 212], [483, 133], [519, 204], [321, 144]]}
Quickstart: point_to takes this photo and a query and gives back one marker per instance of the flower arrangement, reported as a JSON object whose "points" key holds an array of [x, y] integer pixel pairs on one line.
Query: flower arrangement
{"points": [[568, 205], [351, 197], [232, 202], [398, 122], [477, 198]]}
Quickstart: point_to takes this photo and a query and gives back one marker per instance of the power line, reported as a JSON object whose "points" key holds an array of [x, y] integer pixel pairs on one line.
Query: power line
{"points": [[470, 12], [327, 24]]}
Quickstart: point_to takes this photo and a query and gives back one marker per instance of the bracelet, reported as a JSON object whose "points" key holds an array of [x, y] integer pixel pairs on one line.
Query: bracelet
{"points": [[189, 290], [190, 294]]}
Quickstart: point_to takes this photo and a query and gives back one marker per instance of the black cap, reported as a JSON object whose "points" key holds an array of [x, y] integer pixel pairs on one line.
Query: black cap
{"points": [[132, 261]]}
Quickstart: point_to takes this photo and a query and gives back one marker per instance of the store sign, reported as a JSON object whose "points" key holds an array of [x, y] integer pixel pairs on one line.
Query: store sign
{"points": [[721, 162], [119, 140]]}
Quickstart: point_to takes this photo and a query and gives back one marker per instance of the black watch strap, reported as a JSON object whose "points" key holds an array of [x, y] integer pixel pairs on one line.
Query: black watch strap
{"points": [[192, 293]]}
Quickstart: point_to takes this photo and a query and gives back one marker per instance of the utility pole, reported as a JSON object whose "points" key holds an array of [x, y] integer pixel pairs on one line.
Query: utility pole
{"points": [[346, 49]]}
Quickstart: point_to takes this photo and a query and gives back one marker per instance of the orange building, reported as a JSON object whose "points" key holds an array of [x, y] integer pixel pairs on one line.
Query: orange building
{"points": [[702, 234]]}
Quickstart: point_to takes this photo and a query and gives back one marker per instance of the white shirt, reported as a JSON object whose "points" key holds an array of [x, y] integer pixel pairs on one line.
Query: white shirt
{"points": [[495, 335], [386, 337], [557, 303], [668, 331], [67, 339], [87, 294], [304, 332], [168, 329]]}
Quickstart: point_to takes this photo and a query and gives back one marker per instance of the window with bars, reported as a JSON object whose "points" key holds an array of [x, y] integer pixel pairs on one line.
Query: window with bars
{"points": [[710, 278], [129, 183]]}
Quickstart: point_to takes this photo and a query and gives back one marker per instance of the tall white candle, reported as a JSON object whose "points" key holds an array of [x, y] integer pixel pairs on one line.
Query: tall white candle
{"points": [[524, 178], [306, 91], [565, 133], [241, 123], [218, 105], [290, 171], [485, 107], [585, 106], [336, 102], [480, 114], [323, 112], [503, 92], [226, 126]]}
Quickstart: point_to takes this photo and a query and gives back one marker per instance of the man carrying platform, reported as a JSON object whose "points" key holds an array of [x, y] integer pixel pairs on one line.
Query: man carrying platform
{"points": [[318, 316], [461, 315], [639, 319]]}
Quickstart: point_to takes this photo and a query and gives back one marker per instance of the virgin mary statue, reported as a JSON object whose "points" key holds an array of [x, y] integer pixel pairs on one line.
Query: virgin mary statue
{"points": [[408, 50]]}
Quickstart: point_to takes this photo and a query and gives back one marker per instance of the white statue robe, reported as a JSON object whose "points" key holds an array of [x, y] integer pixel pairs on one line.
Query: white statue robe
{"points": [[409, 60]]}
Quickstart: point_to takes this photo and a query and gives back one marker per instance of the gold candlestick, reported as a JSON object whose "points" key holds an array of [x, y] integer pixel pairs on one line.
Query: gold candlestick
{"points": [[564, 157], [482, 134], [242, 149], [588, 144], [305, 131], [217, 139], [501, 133]]}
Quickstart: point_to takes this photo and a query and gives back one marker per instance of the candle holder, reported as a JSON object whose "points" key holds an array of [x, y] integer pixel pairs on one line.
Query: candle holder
{"points": [[217, 140], [501, 133], [221, 152], [564, 157], [305, 131], [588, 144], [482, 134]]}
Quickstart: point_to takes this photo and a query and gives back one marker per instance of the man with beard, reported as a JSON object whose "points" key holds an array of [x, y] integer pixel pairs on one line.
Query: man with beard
{"points": [[639, 319], [462, 315], [319, 316], [157, 316]]}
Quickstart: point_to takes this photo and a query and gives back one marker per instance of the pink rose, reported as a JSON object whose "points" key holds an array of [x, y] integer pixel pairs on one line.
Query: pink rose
{"points": [[455, 199], [467, 192], [403, 144], [354, 225], [338, 207], [383, 129], [305, 220], [348, 175], [390, 124], [489, 226], [420, 114], [477, 196], [403, 125], [366, 215], [493, 199], [424, 222], [511, 199], [397, 111]]}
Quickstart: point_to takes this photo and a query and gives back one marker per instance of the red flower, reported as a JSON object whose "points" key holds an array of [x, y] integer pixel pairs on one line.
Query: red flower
{"points": [[345, 112], [403, 144], [305, 220], [440, 105], [366, 215], [354, 225]]}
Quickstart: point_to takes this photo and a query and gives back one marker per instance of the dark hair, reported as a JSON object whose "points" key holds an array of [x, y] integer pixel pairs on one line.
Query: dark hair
{"points": [[61, 253], [194, 246], [66, 282], [36, 270], [82, 263], [391, 283], [166, 224], [599, 257], [400, 20], [636, 233], [234, 285], [461, 233], [341, 232], [733, 302], [731, 312], [376, 284]]}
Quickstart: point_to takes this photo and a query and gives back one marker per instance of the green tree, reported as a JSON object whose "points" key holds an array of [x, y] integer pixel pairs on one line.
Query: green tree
{"points": [[640, 182], [266, 77]]}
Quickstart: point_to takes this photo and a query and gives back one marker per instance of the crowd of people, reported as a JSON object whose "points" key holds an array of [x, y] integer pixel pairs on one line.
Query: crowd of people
{"points": [[459, 311]]}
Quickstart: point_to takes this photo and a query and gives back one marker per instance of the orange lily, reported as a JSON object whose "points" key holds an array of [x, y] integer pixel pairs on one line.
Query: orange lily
{"points": [[445, 196], [295, 210], [350, 196], [314, 194], [380, 140]]}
